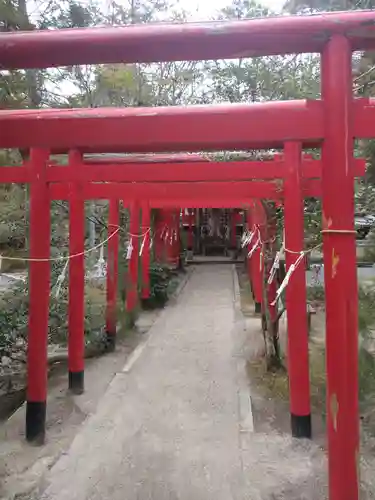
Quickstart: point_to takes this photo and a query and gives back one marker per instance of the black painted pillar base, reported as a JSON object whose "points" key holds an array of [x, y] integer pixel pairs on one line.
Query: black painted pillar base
{"points": [[258, 307], [76, 382], [110, 341], [36, 422], [301, 426]]}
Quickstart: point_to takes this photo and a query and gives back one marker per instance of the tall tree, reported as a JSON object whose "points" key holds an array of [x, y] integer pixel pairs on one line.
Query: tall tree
{"points": [[263, 78], [363, 82]]}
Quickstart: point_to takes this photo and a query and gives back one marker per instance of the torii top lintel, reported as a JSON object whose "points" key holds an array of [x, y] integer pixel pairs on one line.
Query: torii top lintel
{"points": [[177, 128], [189, 41]]}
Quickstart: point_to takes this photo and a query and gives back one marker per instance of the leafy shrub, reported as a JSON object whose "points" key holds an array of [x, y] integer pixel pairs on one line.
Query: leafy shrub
{"points": [[160, 281], [13, 318], [316, 293], [14, 306], [366, 310], [369, 249]]}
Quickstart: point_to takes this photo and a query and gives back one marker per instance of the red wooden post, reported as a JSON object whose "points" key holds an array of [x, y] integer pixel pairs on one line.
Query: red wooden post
{"points": [[249, 228], [340, 272], [165, 234], [145, 257], [39, 288], [132, 289], [257, 274], [296, 300], [190, 238], [159, 235], [112, 272], [176, 241], [157, 230], [249, 265], [76, 340], [170, 242], [233, 235], [269, 229], [255, 263]]}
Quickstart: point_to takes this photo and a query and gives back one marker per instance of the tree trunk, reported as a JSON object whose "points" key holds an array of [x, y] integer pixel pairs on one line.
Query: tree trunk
{"points": [[270, 319]]}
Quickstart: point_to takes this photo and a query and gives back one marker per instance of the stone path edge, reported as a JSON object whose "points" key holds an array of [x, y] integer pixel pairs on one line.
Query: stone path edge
{"points": [[246, 420]]}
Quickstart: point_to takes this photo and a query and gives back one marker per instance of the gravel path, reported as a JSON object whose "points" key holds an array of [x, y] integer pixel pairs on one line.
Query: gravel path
{"points": [[176, 422]]}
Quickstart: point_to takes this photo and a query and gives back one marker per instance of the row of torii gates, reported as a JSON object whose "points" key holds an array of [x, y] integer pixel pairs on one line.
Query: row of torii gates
{"points": [[331, 123]]}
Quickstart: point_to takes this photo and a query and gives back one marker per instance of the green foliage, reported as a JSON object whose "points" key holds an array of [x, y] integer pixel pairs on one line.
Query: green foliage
{"points": [[71, 14], [242, 80], [366, 310], [263, 78], [313, 222], [13, 15], [369, 249], [14, 305], [365, 194], [366, 318], [160, 282], [364, 80], [13, 90], [366, 360], [13, 204], [316, 293], [13, 222], [312, 6], [240, 9], [139, 11], [266, 78], [123, 85], [13, 318]]}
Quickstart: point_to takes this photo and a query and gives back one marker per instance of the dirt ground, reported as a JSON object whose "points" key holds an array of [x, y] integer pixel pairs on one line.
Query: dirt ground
{"points": [[268, 463], [270, 397], [22, 466], [299, 467]]}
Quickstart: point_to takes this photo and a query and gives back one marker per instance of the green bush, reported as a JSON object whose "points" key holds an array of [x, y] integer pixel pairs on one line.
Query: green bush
{"points": [[14, 306], [316, 293], [160, 282], [366, 366], [369, 249]]}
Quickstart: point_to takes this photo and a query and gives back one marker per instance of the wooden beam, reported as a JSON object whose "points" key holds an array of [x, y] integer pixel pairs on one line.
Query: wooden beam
{"points": [[173, 128], [184, 42], [177, 190], [189, 172]]}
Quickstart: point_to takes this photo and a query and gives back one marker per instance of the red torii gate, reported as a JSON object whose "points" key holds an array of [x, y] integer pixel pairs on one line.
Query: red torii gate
{"points": [[133, 192], [186, 42], [155, 168], [168, 189], [333, 123]]}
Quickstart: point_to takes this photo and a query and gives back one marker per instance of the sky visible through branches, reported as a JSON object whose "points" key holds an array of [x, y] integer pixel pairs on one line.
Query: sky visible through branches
{"points": [[204, 9]]}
